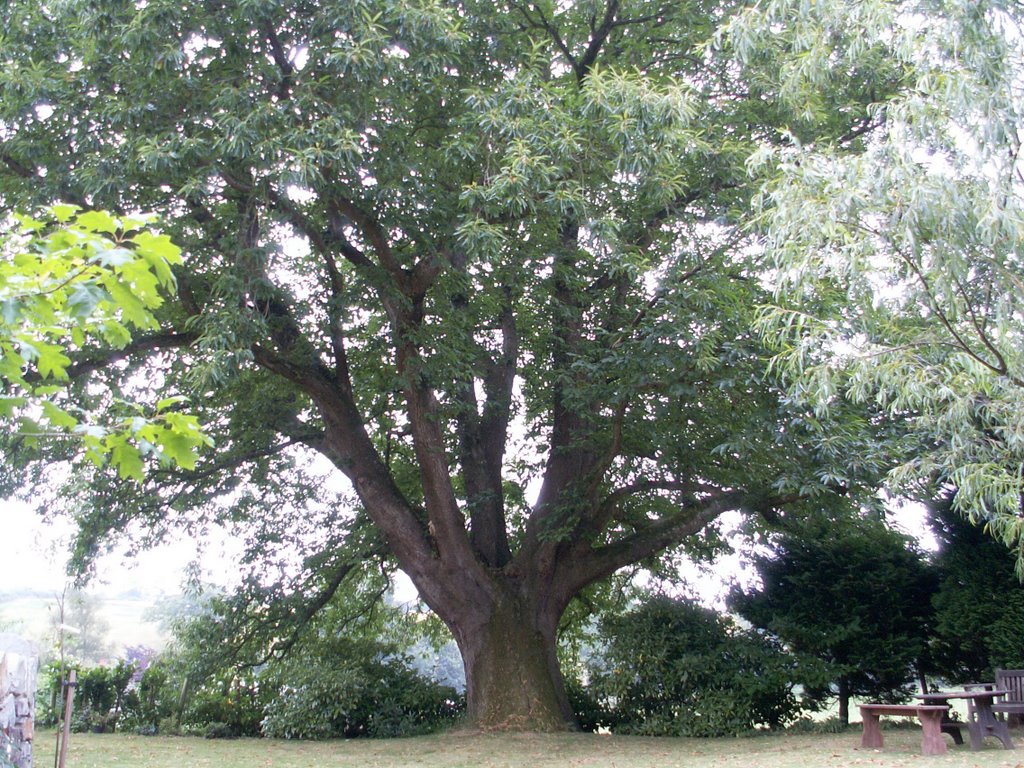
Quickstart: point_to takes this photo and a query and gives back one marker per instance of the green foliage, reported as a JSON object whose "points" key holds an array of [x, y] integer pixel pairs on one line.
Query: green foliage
{"points": [[670, 667], [69, 281], [906, 294], [156, 698], [229, 703], [979, 605], [456, 251], [346, 673], [350, 689], [473, 144], [102, 697], [853, 594]]}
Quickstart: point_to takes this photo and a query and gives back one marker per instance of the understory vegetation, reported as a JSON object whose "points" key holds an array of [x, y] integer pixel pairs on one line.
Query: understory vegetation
{"points": [[813, 634]]}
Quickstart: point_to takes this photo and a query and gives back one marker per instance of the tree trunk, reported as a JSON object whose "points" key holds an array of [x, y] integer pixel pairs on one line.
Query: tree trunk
{"points": [[513, 679], [844, 701]]}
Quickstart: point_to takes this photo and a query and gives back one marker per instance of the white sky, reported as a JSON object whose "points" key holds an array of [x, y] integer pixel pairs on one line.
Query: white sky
{"points": [[35, 559], [36, 555]]}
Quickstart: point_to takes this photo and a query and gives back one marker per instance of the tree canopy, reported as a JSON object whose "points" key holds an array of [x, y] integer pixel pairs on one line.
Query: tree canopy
{"points": [[491, 262], [907, 292], [979, 605], [853, 594]]}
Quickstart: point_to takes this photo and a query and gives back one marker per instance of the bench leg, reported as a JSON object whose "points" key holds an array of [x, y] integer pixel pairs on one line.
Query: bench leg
{"points": [[932, 742], [1002, 732], [872, 736]]}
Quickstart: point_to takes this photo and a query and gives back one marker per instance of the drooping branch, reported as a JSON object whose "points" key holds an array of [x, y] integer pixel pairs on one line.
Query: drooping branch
{"points": [[310, 606], [998, 365]]}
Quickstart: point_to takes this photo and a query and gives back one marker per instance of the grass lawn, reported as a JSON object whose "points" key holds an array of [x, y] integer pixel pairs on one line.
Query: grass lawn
{"points": [[464, 750]]}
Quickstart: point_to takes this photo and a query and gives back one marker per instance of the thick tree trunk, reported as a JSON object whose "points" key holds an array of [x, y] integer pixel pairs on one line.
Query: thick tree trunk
{"points": [[513, 680]]}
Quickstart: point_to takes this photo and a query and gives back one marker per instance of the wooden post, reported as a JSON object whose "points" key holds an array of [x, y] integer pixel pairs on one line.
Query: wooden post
{"points": [[69, 703]]}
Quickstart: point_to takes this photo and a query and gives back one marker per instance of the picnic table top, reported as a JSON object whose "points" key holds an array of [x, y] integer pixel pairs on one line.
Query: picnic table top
{"points": [[943, 695]]}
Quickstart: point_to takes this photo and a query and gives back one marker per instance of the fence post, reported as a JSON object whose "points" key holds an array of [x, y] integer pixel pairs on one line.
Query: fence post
{"points": [[69, 704]]}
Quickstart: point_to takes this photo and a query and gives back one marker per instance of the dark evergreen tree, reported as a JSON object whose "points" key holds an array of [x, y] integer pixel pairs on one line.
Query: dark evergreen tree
{"points": [[854, 594], [979, 605]]}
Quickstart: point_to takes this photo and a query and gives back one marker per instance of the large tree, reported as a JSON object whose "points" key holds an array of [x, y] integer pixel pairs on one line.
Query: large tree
{"points": [[485, 258], [979, 605]]}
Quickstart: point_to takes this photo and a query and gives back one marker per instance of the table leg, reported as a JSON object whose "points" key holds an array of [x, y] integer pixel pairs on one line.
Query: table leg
{"points": [[932, 742], [872, 736], [986, 723]]}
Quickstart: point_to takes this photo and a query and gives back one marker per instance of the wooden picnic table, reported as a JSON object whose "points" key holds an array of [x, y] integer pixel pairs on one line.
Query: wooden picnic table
{"points": [[981, 719]]}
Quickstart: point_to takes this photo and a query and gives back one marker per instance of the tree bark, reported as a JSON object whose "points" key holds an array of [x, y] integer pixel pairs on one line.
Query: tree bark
{"points": [[844, 701], [513, 679]]}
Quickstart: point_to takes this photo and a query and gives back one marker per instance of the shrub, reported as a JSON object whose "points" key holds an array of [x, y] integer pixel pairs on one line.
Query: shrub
{"points": [[672, 668], [232, 701], [362, 691]]}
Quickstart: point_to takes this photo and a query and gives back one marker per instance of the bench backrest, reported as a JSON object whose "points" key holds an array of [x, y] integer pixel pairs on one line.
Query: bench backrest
{"points": [[1011, 680]]}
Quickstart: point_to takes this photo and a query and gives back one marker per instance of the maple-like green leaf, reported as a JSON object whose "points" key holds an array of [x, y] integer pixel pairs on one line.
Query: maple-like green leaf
{"points": [[58, 417], [128, 460], [71, 280]]}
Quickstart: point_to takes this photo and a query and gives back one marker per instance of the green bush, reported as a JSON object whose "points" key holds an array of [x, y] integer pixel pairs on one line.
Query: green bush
{"points": [[358, 691], [233, 701], [672, 668], [102, 698], [154, 699]]}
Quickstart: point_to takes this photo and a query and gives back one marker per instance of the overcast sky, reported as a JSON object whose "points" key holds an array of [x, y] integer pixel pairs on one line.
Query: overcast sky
{"points": [[36, 555], [35, 559]]}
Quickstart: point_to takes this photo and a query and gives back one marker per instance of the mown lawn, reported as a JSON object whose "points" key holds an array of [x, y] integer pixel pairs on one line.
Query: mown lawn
{"points": [[464, 750]]}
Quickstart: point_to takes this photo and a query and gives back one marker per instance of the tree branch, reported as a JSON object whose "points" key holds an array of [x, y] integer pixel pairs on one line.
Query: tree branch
{"points": [[597, 40], [141, 345], [280, 59]]}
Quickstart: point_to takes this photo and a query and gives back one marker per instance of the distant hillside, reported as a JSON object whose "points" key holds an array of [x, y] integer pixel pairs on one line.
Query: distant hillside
{"points": [[32, 615]]}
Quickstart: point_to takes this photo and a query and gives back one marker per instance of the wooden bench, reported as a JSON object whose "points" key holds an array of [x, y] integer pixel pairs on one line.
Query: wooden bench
{"points": [[930, 715], [1012, 703]]}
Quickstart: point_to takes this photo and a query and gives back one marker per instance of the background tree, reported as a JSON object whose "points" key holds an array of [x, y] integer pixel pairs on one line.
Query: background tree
{"points": [[908, 294], [80, 631], [855, 595], [460, 250], [979, 605]]}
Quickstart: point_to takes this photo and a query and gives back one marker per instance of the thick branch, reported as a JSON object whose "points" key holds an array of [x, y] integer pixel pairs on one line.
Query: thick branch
{"points": [[447, 526], [589, 564], [597, 40], [482, 439], [280, 59], [141, 345], [19, 169], [371, 229]]}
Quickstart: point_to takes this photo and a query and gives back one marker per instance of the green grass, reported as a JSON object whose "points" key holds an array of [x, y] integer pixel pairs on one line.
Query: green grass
{"points": [[465, 750]]}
